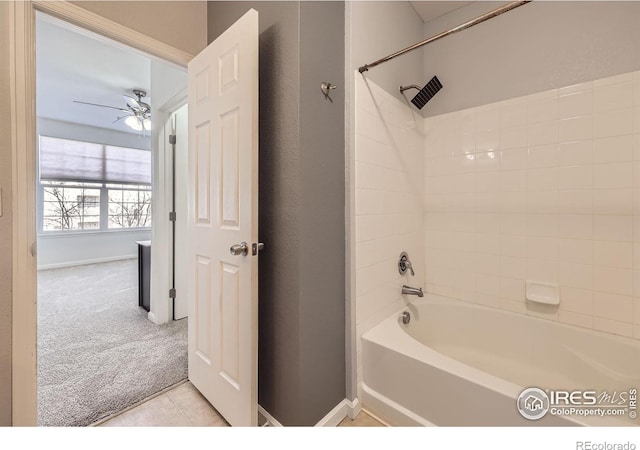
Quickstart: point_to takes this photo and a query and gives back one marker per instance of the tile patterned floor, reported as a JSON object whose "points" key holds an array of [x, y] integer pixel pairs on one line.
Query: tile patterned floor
{"points": [[362, 420], [184, 406]]}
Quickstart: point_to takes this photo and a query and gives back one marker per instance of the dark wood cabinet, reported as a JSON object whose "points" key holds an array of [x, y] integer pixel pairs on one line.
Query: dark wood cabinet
{"points": [[144, 274]]}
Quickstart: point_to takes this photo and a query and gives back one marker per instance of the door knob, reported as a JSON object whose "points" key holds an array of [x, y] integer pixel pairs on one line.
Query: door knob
{"points": [[255, 248], [239, 249]]}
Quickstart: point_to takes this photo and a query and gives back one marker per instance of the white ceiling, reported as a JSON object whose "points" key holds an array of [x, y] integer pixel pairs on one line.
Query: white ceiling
{"points": [[75, 64], [429, 10]]}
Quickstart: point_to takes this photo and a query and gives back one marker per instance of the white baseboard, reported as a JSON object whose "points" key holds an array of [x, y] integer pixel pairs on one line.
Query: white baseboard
{"points": [[270, 420], [345, 408], [85, 262]]}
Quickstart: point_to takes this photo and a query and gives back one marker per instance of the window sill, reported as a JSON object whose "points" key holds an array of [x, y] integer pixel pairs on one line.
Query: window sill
{"points": [[76, 233]]}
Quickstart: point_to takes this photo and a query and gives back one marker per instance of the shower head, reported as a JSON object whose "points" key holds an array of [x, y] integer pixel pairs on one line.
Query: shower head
{"points": [[426, 93]]}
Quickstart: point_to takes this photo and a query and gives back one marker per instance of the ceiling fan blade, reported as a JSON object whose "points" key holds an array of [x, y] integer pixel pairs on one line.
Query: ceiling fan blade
{"points": [[122, 117], [131, 102], [101, 106]]}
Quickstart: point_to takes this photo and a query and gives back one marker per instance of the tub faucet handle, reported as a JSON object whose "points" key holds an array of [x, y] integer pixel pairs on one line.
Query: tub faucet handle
{"points": [[404, 264]]}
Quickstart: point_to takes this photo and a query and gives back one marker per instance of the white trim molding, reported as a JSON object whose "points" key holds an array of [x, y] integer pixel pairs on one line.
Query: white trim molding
{"points": [[76, 15], [87, 261], [342, 410], [346, 408], [23, 134], [270, 421]]}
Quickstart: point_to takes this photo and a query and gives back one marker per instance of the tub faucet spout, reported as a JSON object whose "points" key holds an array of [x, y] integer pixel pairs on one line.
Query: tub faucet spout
{"points": [[408, 290]]}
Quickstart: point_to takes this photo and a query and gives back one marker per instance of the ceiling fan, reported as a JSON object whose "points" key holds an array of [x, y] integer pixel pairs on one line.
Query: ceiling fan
{"points": [[138, 113]]}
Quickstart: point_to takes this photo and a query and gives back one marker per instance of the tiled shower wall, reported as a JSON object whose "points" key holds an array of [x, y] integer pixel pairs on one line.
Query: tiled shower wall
{"points": [[546, 188], [389, 212]]}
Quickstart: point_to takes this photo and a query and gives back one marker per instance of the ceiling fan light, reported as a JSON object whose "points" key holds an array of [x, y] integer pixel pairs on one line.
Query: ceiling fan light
{"points": [[134, 123], [146, 123]]}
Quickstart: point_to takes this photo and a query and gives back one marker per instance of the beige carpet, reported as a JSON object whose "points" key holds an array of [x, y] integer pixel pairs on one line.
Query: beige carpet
{"points": [[97, 351]]}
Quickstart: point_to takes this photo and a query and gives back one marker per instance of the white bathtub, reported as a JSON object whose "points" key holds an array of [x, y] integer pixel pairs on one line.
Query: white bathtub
{"points": [[458, 364]]}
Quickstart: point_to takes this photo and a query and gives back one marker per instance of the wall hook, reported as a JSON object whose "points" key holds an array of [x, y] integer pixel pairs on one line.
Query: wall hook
{"points": [[326, 89]]}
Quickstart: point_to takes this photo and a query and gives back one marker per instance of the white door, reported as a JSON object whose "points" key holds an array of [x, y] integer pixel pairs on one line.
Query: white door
{"points": [[223, 211]]}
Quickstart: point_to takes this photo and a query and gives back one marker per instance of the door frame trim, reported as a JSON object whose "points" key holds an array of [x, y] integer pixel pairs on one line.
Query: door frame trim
{"points": [[23, 133]]}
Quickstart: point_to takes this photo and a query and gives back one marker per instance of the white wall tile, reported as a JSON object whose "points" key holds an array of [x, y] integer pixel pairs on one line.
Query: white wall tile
{"points": [[613, 201], [614, 307], [512, 115], [542, 179], [613, 254], [542, 248], [612, 280], [487, 118], [543, 133], [575, 250], [514, 246], [613, 175], [576, 275], [544, 187], [612, 96], [542, 202], [613, 149], [575, 226], [514, 159], [515, 137], [512, 289], [576, 300], [543, 156], [575, 153], [575, 104], [612, 326], [575, 177], [577, 319], [544, 271], [513, 224], [613, 123], [576, 128], [542, 225], [513, 180], [613, 228], [575, 201], [542, 110], [512, 267]]}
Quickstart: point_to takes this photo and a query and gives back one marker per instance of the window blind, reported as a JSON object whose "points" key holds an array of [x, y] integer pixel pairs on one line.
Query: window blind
{"points": [[68, 160]]}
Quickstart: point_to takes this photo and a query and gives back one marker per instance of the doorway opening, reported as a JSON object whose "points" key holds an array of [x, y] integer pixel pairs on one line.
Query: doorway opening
{"points": [[104, 178]]}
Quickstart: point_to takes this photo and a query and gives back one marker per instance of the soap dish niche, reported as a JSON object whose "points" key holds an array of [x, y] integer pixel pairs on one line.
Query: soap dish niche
{"points": [[542, 293]]}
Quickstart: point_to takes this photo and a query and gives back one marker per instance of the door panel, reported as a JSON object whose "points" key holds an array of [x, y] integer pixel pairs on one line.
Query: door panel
{"points": [[223, 186]]}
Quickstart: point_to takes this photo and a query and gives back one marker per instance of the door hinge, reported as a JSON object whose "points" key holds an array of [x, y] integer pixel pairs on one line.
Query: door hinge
{"points": [[172, 139], [172, 293], [172, 216]]}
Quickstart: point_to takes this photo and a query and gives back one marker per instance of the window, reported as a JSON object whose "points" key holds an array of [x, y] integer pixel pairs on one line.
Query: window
{"points": [[129, 206], [70, 206], [87, 186]]}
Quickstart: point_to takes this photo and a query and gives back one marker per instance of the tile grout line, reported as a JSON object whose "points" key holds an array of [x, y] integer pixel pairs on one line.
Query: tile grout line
{"points": [[179, 409]]}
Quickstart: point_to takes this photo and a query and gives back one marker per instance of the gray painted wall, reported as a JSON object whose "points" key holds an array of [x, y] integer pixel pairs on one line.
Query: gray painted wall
{"points": [[539, 46], [301, 350], [379, 28], [5, 221], [322, 210]]}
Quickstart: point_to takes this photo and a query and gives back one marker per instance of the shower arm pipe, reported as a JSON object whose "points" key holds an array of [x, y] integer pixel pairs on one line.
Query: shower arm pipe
{"points": [[491, 14]]}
